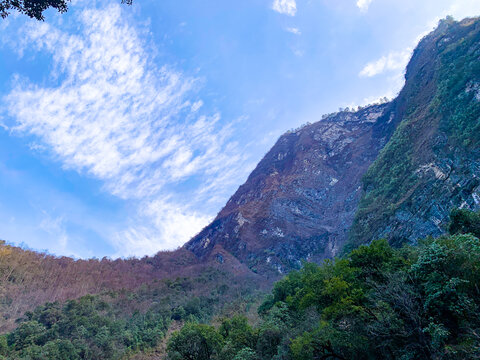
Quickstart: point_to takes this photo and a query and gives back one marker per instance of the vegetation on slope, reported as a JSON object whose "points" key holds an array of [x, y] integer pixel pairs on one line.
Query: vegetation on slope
{"points": [[29, 279], [118, 324], [376, 303], [441, 125], [88, 328]]}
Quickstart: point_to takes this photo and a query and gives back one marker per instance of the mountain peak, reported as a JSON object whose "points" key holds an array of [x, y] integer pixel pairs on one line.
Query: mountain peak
{"points": [[302, 199]]}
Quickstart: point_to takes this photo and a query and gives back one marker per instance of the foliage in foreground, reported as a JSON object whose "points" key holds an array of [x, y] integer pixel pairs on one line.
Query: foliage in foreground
{"points": [[120, 324], [87, 328], [376, 303], [35, 8]]}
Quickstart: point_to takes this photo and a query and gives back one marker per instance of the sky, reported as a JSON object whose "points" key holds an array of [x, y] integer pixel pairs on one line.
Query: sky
{"points": [[125, 129]]}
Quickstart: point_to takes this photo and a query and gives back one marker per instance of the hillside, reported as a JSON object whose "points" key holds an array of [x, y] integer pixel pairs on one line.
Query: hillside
{"points": [[432, 162], [303, 197], [29, 279], [377, 302], [393, 170]]}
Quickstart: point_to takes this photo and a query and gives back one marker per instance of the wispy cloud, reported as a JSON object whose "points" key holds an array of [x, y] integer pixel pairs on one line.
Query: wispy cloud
{"points": [[55, 226], [287, 7], [173, 221], [395, 61], [364, 4], [117, 116], [294, 30]]}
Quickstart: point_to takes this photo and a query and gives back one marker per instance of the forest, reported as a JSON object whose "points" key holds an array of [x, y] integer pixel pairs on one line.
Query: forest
{"points": [[377, 302]]}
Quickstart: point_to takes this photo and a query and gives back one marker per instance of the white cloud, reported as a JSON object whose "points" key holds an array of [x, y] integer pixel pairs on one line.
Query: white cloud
{"points": [[294, 30], [197, 105], [167, 218], [463, 8], [395, 61], [287, 7], [117, 116], [393, 67], [55, 226], [363, 4]]}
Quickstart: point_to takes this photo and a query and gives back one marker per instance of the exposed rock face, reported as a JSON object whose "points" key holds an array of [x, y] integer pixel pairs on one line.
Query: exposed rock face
{"points": [[300, 200], [432, 162], [303, 197]]}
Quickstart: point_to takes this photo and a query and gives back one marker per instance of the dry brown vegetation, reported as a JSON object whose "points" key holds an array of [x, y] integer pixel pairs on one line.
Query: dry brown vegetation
{"points": [[29, 279]]}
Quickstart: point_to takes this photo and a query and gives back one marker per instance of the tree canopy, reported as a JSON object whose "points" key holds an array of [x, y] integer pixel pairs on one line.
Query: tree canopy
{"points": [[35, 8], [377, 302]]}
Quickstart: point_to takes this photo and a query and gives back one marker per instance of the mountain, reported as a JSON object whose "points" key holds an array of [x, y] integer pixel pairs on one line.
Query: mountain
{"points": [[300, 200], [392, 170], [432, 162]]}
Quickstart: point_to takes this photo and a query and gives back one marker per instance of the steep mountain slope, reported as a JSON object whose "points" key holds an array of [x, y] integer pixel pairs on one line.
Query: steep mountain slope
{"points": [[432, 162], [301, 200], [391, 170]]}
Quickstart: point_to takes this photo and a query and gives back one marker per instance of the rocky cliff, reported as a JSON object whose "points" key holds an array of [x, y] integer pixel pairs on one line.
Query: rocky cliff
{"points": [[432, 162], [300, 200], [359, 168]]}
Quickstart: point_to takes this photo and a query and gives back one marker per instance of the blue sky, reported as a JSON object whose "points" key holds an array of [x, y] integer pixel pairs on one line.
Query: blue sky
{"points": [[124, 130]]}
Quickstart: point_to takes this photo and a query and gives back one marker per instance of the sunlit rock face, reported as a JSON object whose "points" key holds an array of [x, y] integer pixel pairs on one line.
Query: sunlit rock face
{"points": [[300, 201], [393, 170]]}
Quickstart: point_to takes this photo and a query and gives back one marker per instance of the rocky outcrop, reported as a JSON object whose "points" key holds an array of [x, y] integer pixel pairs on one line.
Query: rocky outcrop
{"points": [[300, 201], [432, 162], [303, 197]]}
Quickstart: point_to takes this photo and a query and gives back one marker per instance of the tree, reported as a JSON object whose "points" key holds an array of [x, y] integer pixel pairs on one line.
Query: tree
{"points": [[28, 333], [195, 342], [31, 8], [238, 335], [463, 221], [35, 8], [238, 332], [245, 354]]}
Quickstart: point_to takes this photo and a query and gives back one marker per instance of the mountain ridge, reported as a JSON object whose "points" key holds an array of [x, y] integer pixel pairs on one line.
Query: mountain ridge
{"points": [[410, 196], [303, 197], [321, 163]]}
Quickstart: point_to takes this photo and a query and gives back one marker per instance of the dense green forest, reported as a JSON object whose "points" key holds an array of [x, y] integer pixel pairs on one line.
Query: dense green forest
{"points": [[377, 302]]}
